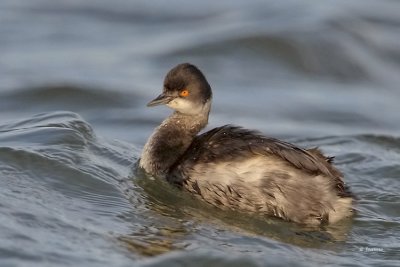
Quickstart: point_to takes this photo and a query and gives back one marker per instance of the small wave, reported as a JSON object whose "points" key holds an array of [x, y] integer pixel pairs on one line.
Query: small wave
{"points": [[48, 128], [63, 144]]}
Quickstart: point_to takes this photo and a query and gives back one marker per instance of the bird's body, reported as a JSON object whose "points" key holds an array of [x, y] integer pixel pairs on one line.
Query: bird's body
{"points": [[238, 169]]}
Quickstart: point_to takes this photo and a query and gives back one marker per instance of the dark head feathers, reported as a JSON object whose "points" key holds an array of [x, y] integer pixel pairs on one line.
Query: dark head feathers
{"points": [[188, 76]]}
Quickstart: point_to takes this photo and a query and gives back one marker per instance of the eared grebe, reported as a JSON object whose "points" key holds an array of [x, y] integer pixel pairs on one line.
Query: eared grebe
{"points": [[235, 168]]}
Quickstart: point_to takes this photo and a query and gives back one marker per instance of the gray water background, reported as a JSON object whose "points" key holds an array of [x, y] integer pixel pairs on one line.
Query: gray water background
{"points": [[75, 78]]}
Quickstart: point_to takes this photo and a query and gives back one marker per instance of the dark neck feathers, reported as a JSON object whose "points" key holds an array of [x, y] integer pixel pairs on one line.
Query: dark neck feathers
{"points": [[170, 140]]}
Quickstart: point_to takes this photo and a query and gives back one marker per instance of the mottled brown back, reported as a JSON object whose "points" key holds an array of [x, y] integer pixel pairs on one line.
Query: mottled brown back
{"points": [[228, 143]]}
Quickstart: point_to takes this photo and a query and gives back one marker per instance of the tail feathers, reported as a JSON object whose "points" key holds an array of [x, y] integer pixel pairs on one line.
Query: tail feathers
{"points": [[341, 209]]}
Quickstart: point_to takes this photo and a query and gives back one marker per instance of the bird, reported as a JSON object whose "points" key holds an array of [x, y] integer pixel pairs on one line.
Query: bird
{"points": [[233, 168]]}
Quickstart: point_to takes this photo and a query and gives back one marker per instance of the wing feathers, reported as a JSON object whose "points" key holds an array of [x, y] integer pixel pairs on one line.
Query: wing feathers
{"points": [[230, 143]]}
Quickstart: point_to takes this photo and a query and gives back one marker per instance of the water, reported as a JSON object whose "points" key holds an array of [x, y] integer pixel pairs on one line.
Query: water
{"points": [[75, 78]]}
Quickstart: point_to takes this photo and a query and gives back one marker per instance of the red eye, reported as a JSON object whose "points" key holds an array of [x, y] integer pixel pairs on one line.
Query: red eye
{"points": [[184, 93]]}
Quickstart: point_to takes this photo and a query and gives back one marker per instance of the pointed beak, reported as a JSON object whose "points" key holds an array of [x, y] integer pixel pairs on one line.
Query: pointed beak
{"points": [[160, 100]]}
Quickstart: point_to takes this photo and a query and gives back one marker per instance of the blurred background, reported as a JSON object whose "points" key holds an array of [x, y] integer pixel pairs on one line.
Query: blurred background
{"points": [[316, 73], [290, 68]]}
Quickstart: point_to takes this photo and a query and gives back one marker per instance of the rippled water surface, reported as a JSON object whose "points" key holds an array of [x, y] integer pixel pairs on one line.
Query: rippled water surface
{"points": [[75, 78]]}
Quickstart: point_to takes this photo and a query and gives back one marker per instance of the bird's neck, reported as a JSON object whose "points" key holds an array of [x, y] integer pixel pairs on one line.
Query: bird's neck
{"points": [[170, 140]]}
